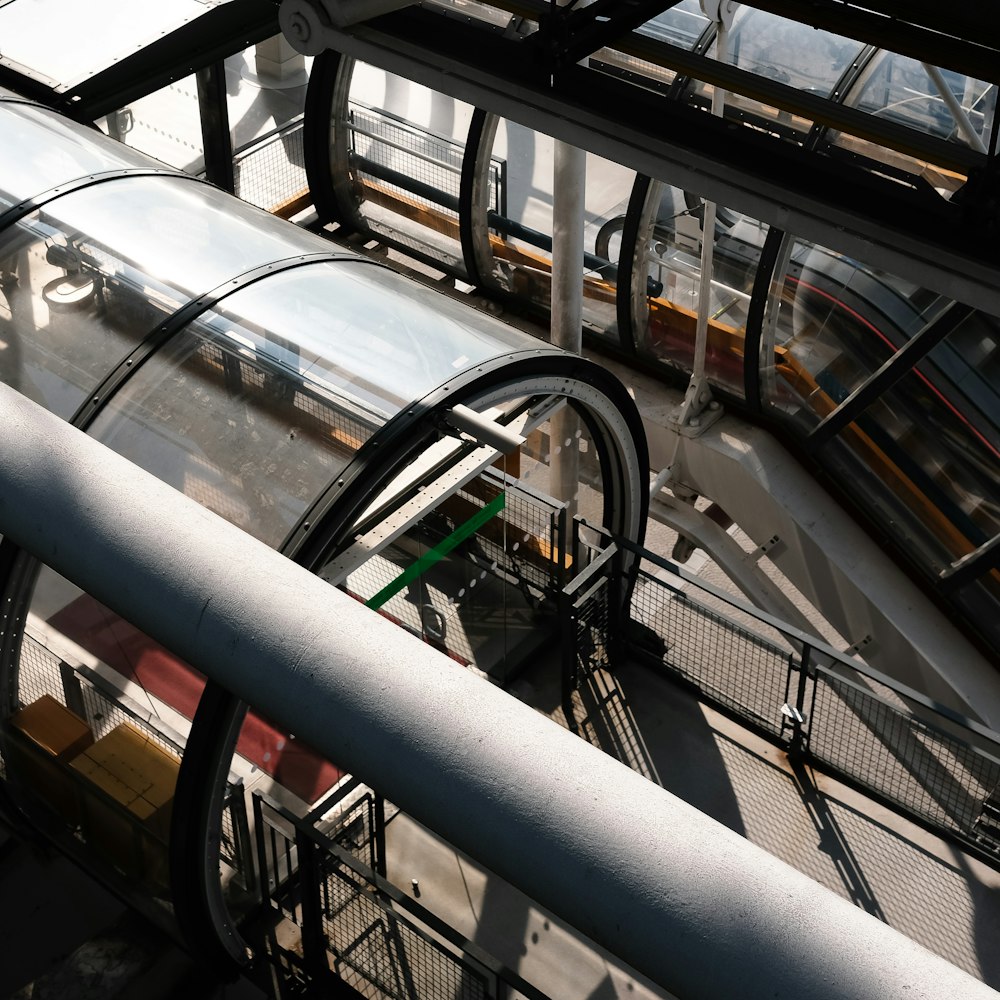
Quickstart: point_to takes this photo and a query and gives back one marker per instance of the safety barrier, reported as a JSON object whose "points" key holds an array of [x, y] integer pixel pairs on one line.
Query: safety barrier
{"points": [[348, 923], [270, 171], [920, 757]]}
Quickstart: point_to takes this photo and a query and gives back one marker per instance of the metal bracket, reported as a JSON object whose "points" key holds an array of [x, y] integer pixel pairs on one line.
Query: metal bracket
{"points": [[698, 411]]}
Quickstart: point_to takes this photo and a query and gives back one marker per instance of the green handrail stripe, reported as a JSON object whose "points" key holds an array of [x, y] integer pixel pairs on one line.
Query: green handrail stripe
{"points": [[439, 551]]}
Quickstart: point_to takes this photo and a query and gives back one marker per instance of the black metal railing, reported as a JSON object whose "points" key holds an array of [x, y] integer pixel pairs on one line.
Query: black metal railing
{"points": [[927, 761], [270, 171], [352, 925]]}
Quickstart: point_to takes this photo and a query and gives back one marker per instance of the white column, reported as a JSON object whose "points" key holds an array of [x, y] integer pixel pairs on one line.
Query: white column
{"points": [[569, 189]]}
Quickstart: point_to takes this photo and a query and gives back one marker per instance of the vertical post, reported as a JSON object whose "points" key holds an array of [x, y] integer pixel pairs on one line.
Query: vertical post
{"points": [[698, 394], [378, 822], [215, 136], [241, 830], [570, 655], [314, 950], [569, 188], [262, 866], [796, 712], [72, 689], [616, 609]]}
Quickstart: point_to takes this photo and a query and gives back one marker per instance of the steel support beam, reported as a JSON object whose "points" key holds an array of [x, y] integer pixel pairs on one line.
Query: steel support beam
{"points": [[682, 899], [572, 35], [943, 246]]}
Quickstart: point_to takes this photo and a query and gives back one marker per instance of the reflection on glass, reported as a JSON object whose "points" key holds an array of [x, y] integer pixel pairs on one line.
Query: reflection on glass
{"points": [[87, 277], [787, 52], [607, 189], [790, 52], [924, 457], [366, 334], [937, 475], [834, 324], [681, 25], [42, 150], [225, 425], [906, 91], [521, 241], [670, 263]]}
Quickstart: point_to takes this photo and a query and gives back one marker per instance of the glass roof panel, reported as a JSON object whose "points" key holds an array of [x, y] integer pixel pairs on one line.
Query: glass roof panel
{"points": [[789, 52], [935, 102], [681, 25], [80, 40], [938, 102], [41, 150]]}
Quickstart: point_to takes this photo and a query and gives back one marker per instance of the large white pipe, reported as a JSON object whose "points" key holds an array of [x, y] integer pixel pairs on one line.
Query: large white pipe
{"points": [[679, 897]]}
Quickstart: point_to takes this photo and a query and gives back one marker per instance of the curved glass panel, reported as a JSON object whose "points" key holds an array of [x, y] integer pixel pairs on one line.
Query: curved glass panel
{"points": [[668, 269], [521, 238], [367, 335], [925, 473], [88, 276], [833, 323], [788, 52], [934, 437], [120, 707], [42, 150], [606, 201], [937, 102], [405, 149]]}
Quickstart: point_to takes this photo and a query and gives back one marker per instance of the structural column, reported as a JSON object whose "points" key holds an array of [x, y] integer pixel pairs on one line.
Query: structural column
{"points": [[569, 188]]}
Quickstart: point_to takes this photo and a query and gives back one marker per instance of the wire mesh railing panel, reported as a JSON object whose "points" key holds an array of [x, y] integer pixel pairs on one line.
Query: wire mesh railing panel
{"points": [[355, 830], [522, 539], [385, 147], [885, 748], [382, 956], [38, 673], [727, 663], [271, 171], [593, 631]]}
